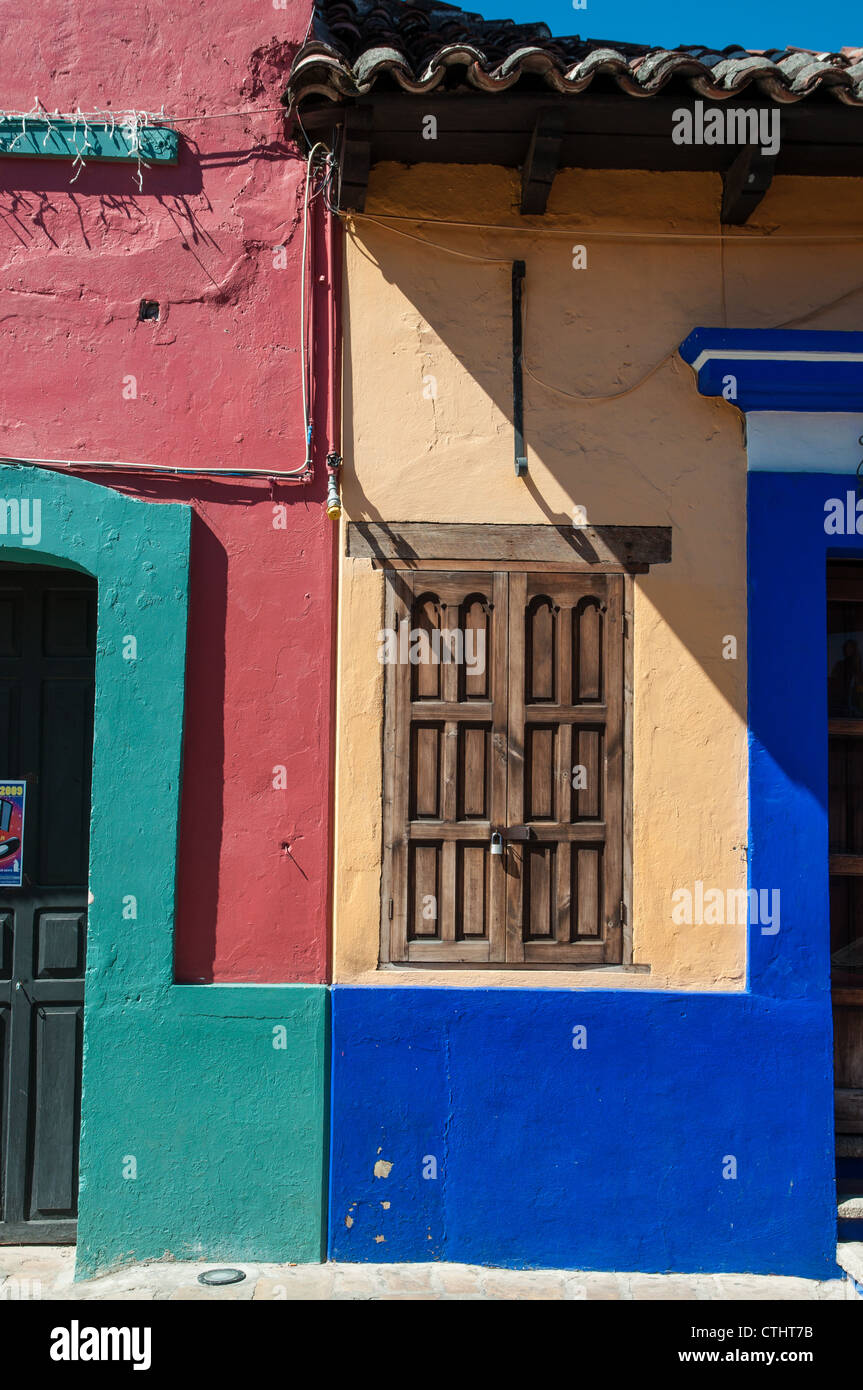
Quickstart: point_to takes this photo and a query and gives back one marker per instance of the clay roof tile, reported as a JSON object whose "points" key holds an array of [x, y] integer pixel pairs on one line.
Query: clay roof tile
{"points": [[418, 44]]}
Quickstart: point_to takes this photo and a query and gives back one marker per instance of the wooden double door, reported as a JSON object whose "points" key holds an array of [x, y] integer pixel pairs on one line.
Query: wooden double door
{"points": [[47, 657], [504, 768]]}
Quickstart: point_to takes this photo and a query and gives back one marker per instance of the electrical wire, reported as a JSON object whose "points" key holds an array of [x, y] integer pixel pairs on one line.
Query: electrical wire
{"points": [[493, 260], [424, 241], [626, 390], [327, 186], [305, 469], [308, 27], [112, 465], [99, 117], [611, 396], [740, 239], [224, 115], [489, 260], [831, 304], [300, 474], [295, 111], [304, 354], [325, 190]]}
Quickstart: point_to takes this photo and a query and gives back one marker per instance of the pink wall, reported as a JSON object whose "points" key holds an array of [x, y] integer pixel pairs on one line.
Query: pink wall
{"points": [[217, 386]]}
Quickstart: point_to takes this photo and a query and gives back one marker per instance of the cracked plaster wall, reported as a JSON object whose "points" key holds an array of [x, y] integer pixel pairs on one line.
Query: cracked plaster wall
{"points": [[217, 384]]}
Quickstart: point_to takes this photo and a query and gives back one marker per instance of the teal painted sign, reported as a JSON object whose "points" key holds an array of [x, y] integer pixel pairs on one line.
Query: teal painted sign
{"points": [[63, 138]]}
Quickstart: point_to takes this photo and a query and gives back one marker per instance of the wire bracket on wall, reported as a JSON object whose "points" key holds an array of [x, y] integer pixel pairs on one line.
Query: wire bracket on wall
{"points": [[518, 273]]}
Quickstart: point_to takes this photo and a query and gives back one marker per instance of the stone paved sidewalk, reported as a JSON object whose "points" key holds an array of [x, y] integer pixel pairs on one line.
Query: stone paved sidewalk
{"points": [[45, 1272]]}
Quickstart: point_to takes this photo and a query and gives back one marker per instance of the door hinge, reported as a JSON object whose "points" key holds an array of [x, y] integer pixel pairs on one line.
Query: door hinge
{"points": [[625, 626], [622, 913], [391, 910]]}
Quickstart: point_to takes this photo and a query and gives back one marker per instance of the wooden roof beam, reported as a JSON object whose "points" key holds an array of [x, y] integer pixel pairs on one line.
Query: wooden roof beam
{"points": [[355, 157], [542, 160], [744, 184]]}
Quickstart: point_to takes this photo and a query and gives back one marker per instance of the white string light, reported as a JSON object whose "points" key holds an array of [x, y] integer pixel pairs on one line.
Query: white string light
{"points": [[35, 113], [130, 123]]}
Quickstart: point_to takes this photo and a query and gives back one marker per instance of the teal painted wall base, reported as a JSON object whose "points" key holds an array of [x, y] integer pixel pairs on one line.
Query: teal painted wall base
{"points": [[215, 1098]]}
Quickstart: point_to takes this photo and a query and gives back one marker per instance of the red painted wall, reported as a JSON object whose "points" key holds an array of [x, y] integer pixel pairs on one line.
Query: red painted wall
{"points": [[218, 385]]}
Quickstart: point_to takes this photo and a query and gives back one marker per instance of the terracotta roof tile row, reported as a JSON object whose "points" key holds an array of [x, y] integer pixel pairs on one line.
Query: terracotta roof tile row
{"points": [[422, 45]]}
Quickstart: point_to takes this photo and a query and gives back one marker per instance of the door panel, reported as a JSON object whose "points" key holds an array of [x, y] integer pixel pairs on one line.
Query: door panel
{"points": [[845, 802], [47, 658], [473, 752], [848, 1076], [565, 765], [54, 1110], [445, 778]]}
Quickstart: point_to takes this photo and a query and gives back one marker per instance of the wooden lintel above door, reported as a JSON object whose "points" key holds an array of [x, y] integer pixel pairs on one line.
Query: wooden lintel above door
{"points": [[407, 544]]}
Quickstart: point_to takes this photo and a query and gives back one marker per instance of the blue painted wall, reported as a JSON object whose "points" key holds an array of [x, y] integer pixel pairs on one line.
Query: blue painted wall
{"points": [[612, 1157], [605, 1158], [819, 371], [788, 551]]}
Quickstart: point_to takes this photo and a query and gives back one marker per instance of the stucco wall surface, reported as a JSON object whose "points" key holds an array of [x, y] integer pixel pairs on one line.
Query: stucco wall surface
{"points": [[688, 1132], [436, 444], [575, 1122], [224, 1117], [213, 383], [203, 1110]]}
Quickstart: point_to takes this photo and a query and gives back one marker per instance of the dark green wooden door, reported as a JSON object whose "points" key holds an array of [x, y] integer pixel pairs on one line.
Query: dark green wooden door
{"points": [[47, 659]]}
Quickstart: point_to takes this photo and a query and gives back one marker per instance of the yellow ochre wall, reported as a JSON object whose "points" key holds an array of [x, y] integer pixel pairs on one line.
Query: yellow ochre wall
{"points": [[417, 450]]}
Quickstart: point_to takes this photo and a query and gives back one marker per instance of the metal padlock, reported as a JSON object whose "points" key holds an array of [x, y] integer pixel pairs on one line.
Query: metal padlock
{"points": [[497, 843]]}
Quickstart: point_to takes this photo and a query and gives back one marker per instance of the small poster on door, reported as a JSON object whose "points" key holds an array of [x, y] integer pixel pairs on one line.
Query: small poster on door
{"points": [[12, 796]]}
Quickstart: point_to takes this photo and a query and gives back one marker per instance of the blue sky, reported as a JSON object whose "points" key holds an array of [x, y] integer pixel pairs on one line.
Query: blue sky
{"points": [[820, 24]]}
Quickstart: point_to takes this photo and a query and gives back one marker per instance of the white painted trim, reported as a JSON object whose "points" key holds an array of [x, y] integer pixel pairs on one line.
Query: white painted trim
{"points": [[793, 441], [764, 355]]}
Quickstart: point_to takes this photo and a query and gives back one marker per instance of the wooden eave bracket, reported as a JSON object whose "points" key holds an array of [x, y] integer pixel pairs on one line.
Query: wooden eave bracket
{"points": [[355, 158], [744, 184], [463, 545], [542, 160]]}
